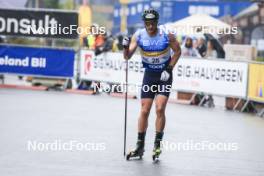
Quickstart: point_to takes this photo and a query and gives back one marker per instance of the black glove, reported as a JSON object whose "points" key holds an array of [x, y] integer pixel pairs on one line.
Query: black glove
{"points": [[166, 74], [126, 42]]}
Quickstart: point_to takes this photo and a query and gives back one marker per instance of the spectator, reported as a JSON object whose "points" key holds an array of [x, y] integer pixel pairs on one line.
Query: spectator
{"points": [[89, 41], [210, 53], [93, 41], [99, 40], [211, 50], [201, 47], [119, 39], [99, 43], [115, 45], [188, 50], [217, 46], [109, 41], [99, 48]]}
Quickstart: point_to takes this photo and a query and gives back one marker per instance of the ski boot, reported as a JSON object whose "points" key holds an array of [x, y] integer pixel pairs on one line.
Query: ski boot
{"points": [[156, 152], [138, 152]]}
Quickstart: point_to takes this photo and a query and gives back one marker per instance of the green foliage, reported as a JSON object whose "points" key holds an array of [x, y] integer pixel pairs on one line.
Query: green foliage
{"points": [[260, 59], [51, 4], [68, 5]]}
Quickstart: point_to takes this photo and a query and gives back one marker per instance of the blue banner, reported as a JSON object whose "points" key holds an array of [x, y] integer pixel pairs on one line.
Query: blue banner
{"points": [[36, 61]]}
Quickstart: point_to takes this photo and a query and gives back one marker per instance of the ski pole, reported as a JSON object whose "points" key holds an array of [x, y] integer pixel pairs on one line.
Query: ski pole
{"points": [[125, 125]]}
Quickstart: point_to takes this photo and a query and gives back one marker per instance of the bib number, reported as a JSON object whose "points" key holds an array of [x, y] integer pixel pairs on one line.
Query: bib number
{"points": [[155, 60]]}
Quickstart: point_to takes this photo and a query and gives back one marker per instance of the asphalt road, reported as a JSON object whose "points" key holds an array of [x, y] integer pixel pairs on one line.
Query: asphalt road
{"points": [[39, 118]]}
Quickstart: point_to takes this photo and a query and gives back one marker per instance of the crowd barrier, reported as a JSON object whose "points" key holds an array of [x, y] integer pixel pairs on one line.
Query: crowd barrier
{"points": [[49, 62], [40, 63], [242, 81], [256, 85]]}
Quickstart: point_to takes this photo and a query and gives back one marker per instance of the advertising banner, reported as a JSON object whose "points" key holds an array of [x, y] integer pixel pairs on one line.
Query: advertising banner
{"points": [[110, 67], [191, 75], [39, 23], [36, 61], [256, 82], [211, 76]]}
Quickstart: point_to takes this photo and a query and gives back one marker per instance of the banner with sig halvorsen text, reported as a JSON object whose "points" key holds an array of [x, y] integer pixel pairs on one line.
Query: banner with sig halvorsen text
{"points": [[110, 67], [218, 77], [36, 61]]}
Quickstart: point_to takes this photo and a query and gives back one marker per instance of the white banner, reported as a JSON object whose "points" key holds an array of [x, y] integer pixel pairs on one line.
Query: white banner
{"points": [[110, 67], [216, 77]]}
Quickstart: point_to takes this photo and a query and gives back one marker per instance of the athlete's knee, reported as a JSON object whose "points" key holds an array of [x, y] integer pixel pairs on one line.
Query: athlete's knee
{"points": [[145, 112], [145, 108], [160, 111]]}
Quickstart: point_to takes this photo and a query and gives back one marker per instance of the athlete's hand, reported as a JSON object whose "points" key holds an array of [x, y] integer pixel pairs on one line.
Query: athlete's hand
{"points": [[126, 42], [166, 74]]}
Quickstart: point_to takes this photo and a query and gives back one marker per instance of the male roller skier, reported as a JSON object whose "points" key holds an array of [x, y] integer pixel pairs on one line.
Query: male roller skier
{"points": [[160, 52]]}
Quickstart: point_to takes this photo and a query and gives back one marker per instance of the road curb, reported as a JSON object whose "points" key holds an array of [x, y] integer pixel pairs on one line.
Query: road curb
{"points": [[120, 95], [21, 87], [83, 92]]}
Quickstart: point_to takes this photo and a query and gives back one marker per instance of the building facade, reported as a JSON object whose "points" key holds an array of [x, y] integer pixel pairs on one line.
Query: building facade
{"points": [[251, 26]]}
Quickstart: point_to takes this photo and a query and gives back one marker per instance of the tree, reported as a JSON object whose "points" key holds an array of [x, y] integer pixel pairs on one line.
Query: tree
{"points": [[51, 4]]}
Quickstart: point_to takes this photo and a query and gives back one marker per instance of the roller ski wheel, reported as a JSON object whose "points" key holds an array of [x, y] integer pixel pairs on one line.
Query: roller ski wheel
{"points": [[156, 154], [135, 154]]}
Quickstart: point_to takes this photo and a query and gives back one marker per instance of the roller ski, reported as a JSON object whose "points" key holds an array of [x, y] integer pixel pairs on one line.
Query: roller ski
{"points": [[156, 153], [157, 149], [137, 153]]}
